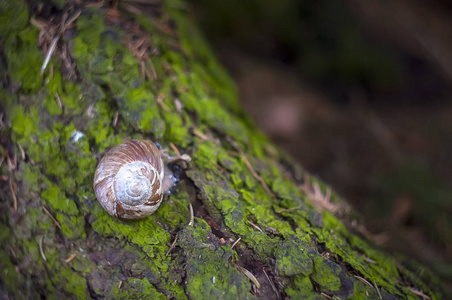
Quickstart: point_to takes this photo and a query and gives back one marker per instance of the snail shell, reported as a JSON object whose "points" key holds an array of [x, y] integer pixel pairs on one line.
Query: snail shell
{"points": [[128, 181]]}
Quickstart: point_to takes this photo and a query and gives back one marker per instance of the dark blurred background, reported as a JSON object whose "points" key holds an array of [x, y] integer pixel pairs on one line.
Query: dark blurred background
{"points": [[360, 93]]}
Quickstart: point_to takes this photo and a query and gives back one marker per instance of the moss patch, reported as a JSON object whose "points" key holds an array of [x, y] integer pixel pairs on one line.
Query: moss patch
{"points": [[209, 270], [293, 257]]}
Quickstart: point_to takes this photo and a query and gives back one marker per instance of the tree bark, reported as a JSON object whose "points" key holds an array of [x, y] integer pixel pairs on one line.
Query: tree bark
{"points": [[262, 227]]}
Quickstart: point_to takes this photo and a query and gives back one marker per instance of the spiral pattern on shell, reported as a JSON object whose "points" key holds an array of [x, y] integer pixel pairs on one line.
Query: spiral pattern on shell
{"points": [[128, 180]]}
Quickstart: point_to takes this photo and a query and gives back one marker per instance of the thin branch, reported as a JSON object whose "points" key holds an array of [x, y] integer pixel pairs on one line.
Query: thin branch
{"points": [[192, 217], [235, 243], [53, 219], [173, 245], [40, 248], [70, 258]]}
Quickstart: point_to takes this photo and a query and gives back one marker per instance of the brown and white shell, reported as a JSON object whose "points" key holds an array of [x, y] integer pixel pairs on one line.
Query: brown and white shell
{"points": [[128, 180]]}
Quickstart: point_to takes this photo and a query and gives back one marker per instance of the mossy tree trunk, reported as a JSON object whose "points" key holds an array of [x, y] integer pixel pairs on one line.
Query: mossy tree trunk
{"points": [[262, 227]]}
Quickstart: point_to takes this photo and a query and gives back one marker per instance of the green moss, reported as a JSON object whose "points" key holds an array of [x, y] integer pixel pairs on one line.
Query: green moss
{"points": [[326, 274], [361, 291], [77, 154], [266, 219], [71, 226], [9, 274], [69, 281], [24, 60], [152, 241], [302, 289], [284, 189], [53, 87], [57, 201], [90, 26], [72, 99], [37, 218], [53, 197], [209, 272], [336, 239], [206, 152], [145, 233], [24, 123], [227, 202], [292, 258], [13, 17], [135, 288], [174, 212], [100, 128], [29, 174], [175, 130], [114, 66], [204, 62], [417, 273], [20, 44]]}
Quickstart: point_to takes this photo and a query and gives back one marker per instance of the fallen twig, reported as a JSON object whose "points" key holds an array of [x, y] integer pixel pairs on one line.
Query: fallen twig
{"points": [[41, 250], [235, 243], [53, 219], [70, 258], [171, 247]]}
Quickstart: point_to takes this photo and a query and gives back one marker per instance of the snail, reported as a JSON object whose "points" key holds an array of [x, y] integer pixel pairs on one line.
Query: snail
{"points": [[132, 178]]}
